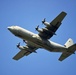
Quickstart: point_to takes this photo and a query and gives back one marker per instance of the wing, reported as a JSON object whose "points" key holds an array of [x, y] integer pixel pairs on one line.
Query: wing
{"points": [[67, 53], [25, 52], [49, 31]]}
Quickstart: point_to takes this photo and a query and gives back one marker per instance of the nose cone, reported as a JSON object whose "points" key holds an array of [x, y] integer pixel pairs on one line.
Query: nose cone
{"points": [[10, 28]]}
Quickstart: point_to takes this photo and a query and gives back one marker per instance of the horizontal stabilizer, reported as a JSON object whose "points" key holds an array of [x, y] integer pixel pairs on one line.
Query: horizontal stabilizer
{"points": [[68, 52]]}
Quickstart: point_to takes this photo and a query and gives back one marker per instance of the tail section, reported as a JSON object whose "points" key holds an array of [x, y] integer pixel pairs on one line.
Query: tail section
{"points": [[70, 49], [69, 43]]}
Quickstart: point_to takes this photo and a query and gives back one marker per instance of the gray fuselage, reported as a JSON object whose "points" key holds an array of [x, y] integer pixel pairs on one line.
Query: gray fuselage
{"points": [[36, 40]]}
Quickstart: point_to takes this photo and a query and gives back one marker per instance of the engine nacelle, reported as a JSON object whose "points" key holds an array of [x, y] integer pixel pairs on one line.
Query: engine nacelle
{"points": [[39, 30], [46, 24], [21, 47], [26, 48]]}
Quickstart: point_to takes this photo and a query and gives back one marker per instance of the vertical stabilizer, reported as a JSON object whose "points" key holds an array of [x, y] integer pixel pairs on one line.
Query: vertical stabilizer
{"points": [[69, 43]]}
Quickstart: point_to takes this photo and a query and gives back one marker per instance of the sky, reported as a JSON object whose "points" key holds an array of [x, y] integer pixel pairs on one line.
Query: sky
{"points": [[28, 14]]}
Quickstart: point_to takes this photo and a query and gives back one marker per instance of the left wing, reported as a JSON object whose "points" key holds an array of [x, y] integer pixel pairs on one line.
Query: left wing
{"points": [[25, 52], [50, 29], [21, 54]]}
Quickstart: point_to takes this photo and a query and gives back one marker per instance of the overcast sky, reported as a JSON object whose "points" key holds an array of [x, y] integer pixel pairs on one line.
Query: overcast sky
{"points": [[28, 14]]}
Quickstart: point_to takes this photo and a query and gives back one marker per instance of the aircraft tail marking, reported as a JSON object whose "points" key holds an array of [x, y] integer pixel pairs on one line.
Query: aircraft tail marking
{"points": [[69, 43]]}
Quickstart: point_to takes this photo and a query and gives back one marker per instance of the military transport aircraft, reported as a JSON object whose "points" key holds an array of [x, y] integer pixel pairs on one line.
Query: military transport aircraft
{"points": [[41, 40]]}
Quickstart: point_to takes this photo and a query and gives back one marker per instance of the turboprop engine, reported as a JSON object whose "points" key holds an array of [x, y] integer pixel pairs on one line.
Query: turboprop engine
{"points": [[38, 29], [45, 23]]}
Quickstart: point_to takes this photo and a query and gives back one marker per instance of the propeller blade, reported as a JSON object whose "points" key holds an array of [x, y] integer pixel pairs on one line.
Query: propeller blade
{"points": [[23, 41], [43, 20], [37, 27], [18, 44]]}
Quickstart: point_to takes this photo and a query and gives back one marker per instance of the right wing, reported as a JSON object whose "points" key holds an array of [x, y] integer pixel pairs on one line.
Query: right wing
{"points": [[24, 52], [49, 31]]}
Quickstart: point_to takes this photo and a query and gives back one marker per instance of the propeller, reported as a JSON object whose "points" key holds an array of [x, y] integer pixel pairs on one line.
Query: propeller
{"points": [[23, 41], [18, 44], [43, 20], [37, 27]]}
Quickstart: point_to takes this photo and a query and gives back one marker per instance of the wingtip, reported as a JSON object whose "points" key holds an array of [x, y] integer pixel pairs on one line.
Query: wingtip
{"points": [[15, 59], [60, 60], [64, 12]]}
